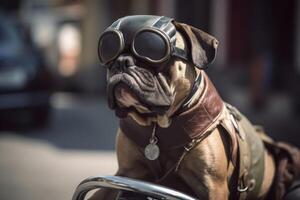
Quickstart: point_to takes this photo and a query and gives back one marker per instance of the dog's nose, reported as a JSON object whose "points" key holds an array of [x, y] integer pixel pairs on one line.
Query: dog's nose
{"points": [[125, 61]]}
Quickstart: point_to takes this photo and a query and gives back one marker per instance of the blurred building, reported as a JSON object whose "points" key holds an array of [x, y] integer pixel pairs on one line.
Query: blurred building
{"points": [[259, 38]]}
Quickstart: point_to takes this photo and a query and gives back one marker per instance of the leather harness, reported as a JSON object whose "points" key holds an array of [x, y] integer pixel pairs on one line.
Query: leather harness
{"points": [[193, 125]]}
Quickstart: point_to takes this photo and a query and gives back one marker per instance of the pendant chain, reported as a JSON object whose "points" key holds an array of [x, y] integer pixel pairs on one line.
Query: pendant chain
{"points": [[153, 138]]}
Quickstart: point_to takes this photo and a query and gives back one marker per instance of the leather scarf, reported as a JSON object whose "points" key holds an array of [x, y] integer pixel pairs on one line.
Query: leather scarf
{"points": [[188, 125]]}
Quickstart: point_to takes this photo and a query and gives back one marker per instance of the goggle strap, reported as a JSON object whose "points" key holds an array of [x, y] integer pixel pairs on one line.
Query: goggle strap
{"points": [[162, 21], [180, 53]]}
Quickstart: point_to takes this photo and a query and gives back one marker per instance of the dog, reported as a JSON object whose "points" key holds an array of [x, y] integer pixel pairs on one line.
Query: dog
{"points": [[175, 130]]}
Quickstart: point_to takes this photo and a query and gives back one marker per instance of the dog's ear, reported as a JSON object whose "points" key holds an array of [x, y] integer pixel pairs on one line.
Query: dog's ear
{"points": [[202, 46]]}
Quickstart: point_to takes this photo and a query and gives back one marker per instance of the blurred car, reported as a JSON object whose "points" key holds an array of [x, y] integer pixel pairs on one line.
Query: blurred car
{"points": [[25, 82]]}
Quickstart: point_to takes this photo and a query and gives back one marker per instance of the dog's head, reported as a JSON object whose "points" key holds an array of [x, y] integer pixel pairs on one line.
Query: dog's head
{"points": [[152, 64]]}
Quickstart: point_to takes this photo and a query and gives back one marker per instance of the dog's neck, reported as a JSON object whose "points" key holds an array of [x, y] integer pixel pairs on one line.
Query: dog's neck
{"points": [[186, 126]]}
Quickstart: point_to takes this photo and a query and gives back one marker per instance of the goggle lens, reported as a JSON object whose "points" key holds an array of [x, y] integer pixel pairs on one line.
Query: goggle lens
{"points": [[149, 45], [110, 45]]}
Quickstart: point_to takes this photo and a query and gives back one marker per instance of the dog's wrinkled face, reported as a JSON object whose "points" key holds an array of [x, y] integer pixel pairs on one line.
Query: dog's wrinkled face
{"points": [[145, 92]]}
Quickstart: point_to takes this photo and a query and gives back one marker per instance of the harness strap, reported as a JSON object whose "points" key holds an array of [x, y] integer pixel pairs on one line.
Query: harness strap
{"points": [[251, 156], [244, 168], [188, 147]]}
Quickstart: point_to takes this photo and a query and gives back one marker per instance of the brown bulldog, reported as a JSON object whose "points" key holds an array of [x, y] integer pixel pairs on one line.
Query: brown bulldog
{"points": [[175, 130]]}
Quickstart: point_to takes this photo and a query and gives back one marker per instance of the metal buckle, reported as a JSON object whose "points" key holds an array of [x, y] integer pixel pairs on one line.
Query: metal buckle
{"points": [[241, 190], [190, 145], [243, 185]]}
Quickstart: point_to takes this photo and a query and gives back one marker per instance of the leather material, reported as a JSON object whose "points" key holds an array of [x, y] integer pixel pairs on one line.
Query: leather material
{"points": [[251, 158], [287, 160], [185, 127], [129, 25], [230, 132]]}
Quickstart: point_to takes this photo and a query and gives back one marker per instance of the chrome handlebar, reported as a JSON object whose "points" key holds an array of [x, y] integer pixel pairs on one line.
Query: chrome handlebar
{"points": [[127, 184]]}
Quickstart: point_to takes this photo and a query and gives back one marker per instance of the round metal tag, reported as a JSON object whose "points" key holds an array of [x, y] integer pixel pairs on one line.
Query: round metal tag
{"points": [[152, 151]]}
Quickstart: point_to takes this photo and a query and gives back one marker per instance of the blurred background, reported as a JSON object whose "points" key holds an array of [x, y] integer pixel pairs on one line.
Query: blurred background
{"points": [[55, 126]]}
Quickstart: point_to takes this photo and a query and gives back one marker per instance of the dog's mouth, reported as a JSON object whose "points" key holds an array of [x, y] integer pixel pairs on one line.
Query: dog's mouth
{"points": [[138, 90], [127, 101]]}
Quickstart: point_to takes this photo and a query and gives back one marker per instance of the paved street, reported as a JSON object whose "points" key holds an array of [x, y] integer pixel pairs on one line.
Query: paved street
{"points": [[79, 122], [48, 164]]}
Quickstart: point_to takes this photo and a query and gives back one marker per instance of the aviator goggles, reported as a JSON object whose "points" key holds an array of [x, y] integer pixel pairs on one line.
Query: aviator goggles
{"points": [[154, 44]]}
